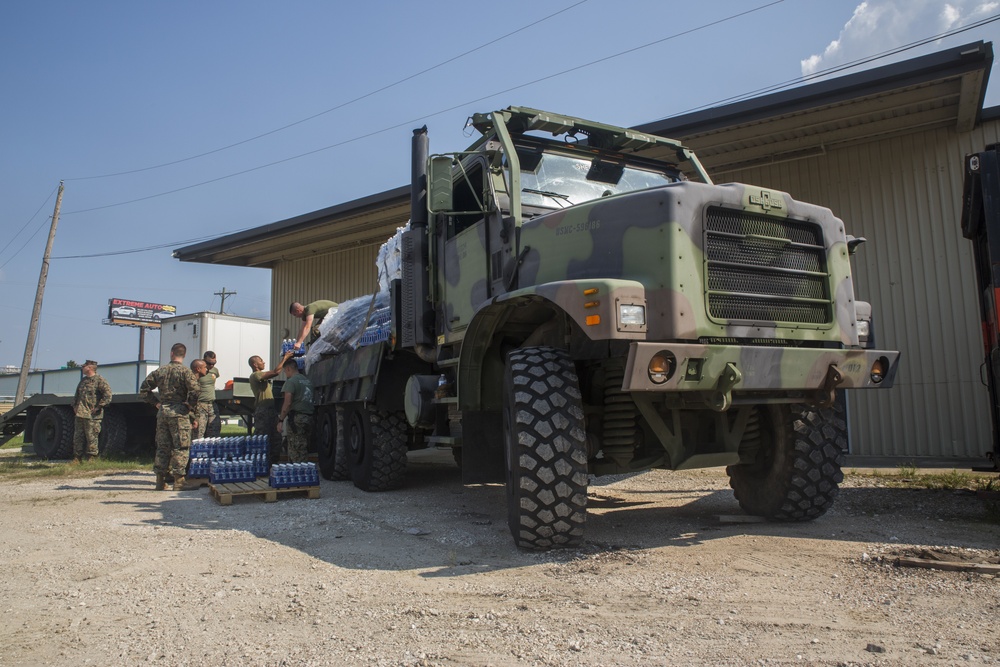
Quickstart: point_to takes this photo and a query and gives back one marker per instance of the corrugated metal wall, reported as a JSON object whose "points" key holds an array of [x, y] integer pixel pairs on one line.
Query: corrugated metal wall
{"points": [[904, 195], [337, 276]]}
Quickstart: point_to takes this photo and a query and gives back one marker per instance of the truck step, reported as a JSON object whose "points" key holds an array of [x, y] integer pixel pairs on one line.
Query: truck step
{"points": [[447, 363], [446, 400], [225, 493], [443, 440]]}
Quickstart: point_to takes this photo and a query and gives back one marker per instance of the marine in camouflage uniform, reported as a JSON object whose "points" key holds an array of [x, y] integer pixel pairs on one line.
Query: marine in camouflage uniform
{"points": [[295, 420], [177, 399], [204, 413], [92, 395]]}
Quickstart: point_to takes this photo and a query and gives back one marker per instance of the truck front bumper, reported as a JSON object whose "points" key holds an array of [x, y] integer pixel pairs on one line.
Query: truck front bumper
{"points": [[710, 368]]}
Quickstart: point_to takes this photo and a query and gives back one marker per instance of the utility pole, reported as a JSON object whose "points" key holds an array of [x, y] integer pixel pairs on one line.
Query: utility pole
{"points": [[36, 312], [223, 294]]}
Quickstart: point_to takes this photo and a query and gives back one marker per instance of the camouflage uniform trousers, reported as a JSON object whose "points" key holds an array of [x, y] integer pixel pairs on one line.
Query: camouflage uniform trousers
{"points": [[205, 413], [85, 434], [173, 441], [298, 434]]}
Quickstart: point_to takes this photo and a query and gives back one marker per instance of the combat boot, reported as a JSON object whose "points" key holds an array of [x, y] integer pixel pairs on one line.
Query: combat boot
{"points": [[76, 461], [179, 483], [161, 483]]}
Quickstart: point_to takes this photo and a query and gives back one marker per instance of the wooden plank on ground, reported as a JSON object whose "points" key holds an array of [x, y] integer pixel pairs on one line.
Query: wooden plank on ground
{"points": [[950, 566]]}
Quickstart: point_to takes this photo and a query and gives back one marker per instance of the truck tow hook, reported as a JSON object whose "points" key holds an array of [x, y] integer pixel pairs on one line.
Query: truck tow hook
{"points": [[722, 398], [827, 394]]}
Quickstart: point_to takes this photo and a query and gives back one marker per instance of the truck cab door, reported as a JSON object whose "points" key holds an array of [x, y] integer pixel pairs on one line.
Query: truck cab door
{"points": [[464, 265]]}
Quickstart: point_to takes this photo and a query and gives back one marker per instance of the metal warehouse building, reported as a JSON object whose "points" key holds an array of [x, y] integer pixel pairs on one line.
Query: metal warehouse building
{"points": [[882, 148]]}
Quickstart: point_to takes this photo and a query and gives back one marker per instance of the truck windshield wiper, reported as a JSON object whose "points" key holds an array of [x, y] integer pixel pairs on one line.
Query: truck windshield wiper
{"points": [[547, 193]]}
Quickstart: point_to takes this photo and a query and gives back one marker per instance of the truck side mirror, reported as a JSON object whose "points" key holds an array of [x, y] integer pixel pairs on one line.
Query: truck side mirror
{"points": [[440, 188]]}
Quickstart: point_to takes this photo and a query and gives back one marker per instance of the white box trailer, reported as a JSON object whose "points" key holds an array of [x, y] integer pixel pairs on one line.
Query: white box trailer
{"points": [[234, 340]]}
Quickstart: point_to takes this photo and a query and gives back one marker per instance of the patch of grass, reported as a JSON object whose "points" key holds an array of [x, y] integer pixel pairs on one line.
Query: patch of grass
{"points": [[231, 430], [14, 443], [909, 477], [17, 466]]}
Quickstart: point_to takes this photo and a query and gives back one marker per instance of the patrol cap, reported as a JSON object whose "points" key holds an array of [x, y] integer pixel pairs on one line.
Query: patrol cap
{"points": [[90, 362]]}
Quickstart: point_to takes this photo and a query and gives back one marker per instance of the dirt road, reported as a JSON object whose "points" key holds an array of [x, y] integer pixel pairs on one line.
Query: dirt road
{"points": [[106, 572]]}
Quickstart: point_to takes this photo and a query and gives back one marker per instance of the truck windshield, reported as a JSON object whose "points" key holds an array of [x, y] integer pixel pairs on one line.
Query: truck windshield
{"points": [[560, 180]]}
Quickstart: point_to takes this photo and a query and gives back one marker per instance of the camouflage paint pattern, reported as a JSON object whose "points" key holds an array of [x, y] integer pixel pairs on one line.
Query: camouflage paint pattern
{"points": [[86, 431], [346, 377]]}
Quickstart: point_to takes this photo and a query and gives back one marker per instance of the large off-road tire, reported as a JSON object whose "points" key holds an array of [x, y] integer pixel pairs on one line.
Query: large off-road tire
{"points": [[546, 449], [375, 447], [796, 473], [52, 434], [330, 445], [113, 440]]}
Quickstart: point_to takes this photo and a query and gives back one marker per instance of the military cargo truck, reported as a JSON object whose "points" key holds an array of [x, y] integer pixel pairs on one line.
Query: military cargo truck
{"points": [[568, 308], [981, 225]]}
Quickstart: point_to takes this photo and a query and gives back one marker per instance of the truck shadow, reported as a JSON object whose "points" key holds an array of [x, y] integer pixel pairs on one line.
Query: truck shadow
{"points": [[437, 527]]}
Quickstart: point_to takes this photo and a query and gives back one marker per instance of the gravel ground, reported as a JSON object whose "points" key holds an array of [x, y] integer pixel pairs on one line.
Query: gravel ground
{"points": [[105, 571]]}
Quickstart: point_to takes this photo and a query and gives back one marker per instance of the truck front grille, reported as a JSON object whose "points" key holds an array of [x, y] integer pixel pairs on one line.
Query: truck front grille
{"points": [[765, 270]]}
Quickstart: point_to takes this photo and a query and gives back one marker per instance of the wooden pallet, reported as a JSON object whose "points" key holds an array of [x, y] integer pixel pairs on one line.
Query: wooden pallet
{"points": [[224, 493]]}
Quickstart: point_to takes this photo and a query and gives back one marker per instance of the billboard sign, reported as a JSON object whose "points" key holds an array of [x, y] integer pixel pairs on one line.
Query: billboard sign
{"points": [[126, 312]]}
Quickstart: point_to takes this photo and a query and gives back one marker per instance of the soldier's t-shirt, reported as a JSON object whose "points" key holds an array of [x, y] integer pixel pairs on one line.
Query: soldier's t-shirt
{"points": [[318, 309], [206, 388], [301, 390], [260, 387]]}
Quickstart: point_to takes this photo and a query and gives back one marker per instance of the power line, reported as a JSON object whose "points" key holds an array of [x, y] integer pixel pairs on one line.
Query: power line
{"points": [[41, 226], [29, 222], [436, 113], [143, 249], [342, 104], [844, 66]]}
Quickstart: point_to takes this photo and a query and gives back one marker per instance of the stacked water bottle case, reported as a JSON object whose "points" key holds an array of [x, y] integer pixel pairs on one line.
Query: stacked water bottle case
{"points": [[231, 459], [243, 459], [287, 475]]}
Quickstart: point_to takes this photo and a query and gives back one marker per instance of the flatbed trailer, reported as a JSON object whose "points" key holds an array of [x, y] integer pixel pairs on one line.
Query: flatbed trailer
{"points": [[129, 424]]}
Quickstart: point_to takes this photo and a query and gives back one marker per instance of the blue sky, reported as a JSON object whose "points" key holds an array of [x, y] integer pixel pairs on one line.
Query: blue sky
{"points": [[97, 88]]}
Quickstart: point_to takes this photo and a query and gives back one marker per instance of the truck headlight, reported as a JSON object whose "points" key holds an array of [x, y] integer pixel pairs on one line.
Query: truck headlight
{"points": [[631, 315], [864, 329]]}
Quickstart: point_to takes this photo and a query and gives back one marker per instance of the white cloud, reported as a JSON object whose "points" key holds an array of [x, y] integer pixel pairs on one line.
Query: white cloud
{"points": [[880, 25]]}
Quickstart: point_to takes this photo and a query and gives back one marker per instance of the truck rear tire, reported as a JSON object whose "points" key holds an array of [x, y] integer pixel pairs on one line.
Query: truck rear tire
{"points": [[375, 447], [330, 446], [797, 470], [52, 434], [546, 449], [114, 433]]}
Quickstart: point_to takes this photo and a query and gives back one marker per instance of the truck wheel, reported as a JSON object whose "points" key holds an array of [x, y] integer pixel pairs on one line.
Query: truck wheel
{"points": [[546, 449], [330, 447], [113, 438], [52, 434], [797, 470], [375, 447]]}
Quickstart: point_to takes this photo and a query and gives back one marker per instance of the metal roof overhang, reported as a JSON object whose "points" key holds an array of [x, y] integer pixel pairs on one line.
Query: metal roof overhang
{"points": [[941, 89], [343, 226]]}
